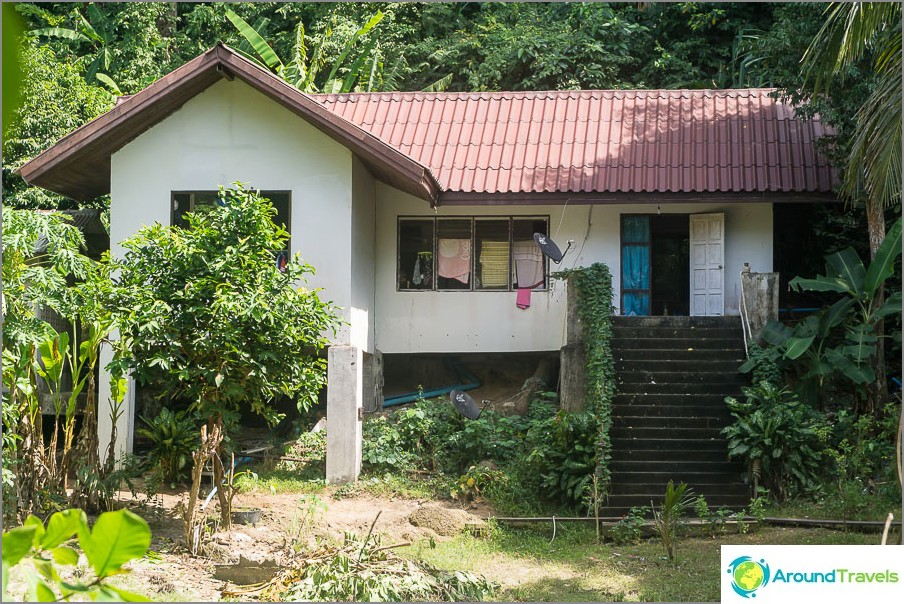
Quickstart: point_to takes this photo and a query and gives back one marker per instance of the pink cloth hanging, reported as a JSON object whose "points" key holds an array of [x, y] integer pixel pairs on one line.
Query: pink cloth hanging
{"points": [[454, 261], [523, 298]]}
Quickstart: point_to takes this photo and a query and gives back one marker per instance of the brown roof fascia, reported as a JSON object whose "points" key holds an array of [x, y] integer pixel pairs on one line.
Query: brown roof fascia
{"points": [[461, 198], [391, 164], [78, 165]]}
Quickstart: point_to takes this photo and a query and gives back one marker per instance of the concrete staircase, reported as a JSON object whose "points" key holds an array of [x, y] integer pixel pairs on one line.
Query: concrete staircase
{"points": [[673, 376]]}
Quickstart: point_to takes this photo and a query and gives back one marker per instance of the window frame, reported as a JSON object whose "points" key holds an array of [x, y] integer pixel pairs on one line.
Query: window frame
{"points": [[472, 220], [263, 193]]}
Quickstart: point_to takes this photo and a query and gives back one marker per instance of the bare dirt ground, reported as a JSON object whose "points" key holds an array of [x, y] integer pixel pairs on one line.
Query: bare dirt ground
{"points": [[170, 573]]}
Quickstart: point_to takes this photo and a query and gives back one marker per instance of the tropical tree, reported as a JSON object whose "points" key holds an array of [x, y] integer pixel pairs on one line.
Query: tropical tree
{"points": [[843, 340], [853, 32], [205, 314], [55, 99]]}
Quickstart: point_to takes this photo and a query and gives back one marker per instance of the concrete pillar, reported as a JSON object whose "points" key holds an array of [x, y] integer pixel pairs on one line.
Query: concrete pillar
{"points": [[125, 420], [573, 358], [760, 298], [344, 413], [373, 381]]}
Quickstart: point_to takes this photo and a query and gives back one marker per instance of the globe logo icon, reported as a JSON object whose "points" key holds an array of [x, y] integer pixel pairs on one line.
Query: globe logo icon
{"points": [[748, 575]]}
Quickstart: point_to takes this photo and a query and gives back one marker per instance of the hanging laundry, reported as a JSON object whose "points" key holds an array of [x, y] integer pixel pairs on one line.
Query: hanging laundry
{"points": [[528, 264], [454, 259], [522, 300], [417, 275]]}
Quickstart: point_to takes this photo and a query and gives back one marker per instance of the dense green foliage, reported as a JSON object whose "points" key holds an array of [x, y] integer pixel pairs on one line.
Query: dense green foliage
{"points": [[838, 344], [205, 313], [45, 275], [594, 304], [775, 434], [115, 539], [55, 101], [544, 459], [469, 46]]}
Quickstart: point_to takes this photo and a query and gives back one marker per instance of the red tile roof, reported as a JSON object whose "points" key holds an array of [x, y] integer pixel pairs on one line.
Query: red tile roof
{"points": [[503, 147], [599, 141]]}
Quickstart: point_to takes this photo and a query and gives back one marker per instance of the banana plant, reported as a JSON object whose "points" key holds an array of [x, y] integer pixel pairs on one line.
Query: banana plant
{"points": [[52, 354], [99, 36], [843, 337], [355, 69]]}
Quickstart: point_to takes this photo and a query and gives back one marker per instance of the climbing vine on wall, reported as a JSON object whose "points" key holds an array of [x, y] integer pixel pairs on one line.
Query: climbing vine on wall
{"points": [[594, 306]]}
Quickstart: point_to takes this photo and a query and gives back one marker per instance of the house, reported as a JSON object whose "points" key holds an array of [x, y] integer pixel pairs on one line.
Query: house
{"points": [[419, 209]]}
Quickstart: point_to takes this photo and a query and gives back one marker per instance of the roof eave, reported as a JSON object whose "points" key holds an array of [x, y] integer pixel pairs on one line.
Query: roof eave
{"points": [[78, 165]]}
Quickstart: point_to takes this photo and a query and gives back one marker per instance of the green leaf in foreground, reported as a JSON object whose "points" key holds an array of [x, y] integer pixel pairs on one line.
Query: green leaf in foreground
{"points": [[117, 538]]}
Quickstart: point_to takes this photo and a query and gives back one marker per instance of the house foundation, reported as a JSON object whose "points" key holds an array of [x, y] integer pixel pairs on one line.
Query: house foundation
{"points": [[344, 413]]}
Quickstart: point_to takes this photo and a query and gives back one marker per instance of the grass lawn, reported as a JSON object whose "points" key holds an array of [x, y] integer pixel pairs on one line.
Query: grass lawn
{"points": [[574, 568]]}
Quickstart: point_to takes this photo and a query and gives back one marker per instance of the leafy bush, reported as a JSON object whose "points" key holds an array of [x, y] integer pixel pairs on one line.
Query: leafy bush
{"points": [[475, 482], [382, 450], [173, 436], [862, 449], [714, 519], [764, 363], [627, 531], [562, 457], [776, 436]]}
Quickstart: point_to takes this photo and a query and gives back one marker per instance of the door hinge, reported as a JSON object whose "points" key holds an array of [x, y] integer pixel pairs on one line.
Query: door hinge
{"points": [[360, 414]]}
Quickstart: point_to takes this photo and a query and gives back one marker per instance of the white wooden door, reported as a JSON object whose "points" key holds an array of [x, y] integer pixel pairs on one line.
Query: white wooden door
{"points": [[707, 264]]}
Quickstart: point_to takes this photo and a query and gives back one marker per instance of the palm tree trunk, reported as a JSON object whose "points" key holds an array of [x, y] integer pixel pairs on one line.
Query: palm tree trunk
{"points": [[875, 220]]}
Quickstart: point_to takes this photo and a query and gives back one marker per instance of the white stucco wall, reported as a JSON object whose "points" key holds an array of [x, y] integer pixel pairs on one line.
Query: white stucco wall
{"points": [[231, 132], [362, 251], [488, 321]]}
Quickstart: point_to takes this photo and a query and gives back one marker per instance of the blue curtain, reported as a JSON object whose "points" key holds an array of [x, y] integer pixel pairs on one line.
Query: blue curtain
{"points": [[635, 229], [635, 261], [635, 267], [636, 304]]}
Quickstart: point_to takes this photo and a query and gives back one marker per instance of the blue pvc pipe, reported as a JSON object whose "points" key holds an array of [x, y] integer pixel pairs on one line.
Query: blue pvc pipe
{"points": [[410, 397]]}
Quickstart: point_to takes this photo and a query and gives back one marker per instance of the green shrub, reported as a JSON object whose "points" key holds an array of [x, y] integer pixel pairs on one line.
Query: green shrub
{"points": [[776, 436], [562, 457], [627, 531], [764, 363], [173, 436], [382, 450]]}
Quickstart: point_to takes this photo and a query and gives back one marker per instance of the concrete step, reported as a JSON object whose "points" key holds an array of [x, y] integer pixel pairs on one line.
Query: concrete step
{"points": [[620, 505], [632, 421], [674, 466], [667, 400], [677, 332], [666, 365], [732, 345], [678, 354], [679, 377], [728, 484], [659, 432], [691, 452], [722, 389], [677, 444], [676, 321]]}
